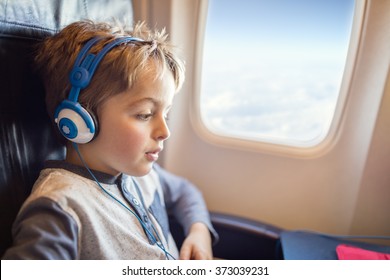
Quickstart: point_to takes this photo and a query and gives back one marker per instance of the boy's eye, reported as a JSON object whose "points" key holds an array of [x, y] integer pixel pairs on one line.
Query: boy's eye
{"points": [[144, 117]]}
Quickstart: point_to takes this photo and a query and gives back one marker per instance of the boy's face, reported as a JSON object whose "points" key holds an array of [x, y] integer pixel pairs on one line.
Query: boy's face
{"points": [[132, 127]]}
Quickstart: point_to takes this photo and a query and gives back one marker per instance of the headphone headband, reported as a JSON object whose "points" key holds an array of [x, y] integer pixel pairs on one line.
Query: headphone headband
{"points": [[86, 63]]}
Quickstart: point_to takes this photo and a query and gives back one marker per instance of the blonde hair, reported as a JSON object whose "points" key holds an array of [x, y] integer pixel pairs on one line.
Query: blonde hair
{"points": [[117, 72]]}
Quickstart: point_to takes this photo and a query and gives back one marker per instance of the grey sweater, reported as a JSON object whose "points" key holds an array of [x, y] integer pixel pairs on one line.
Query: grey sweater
{"points": [[69, 216]]}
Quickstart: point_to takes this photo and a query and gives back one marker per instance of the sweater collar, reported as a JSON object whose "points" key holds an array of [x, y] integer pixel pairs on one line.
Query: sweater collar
{"points": [[82, 171]]}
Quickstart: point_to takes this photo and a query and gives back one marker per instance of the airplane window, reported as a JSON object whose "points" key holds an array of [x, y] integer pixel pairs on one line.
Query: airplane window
{"points": [[272, 69]]}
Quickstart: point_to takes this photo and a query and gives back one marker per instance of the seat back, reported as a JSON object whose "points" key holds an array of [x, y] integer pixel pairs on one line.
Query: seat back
{"points": [[27, 139]]}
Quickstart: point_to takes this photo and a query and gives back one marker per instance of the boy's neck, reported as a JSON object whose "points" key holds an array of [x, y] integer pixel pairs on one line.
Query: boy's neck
{"points": [[73, 157]]}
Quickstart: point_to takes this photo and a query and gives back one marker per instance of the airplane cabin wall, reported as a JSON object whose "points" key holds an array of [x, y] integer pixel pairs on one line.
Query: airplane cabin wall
{"points": [[343, 189]]}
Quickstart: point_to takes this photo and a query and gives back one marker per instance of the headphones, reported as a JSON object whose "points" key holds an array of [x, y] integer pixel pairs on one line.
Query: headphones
{"points": [[74, 122]]}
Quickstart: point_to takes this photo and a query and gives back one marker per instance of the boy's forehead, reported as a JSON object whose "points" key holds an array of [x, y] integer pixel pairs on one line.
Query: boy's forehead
{"points": [[153, 96], [152, 84], [160, 91]]}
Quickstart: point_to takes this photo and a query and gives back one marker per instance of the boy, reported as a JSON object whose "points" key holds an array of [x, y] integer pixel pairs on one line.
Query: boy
{"points": [[108, 199]]}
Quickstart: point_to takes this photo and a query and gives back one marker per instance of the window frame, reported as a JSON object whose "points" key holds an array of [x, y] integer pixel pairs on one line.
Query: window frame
{"points": [[277, 147]]}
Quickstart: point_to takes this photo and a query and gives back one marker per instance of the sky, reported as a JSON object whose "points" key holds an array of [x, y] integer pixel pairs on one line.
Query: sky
{"points": [[272, 69]]}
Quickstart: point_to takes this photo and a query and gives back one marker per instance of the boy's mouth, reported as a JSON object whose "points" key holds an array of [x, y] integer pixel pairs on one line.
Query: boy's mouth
{"points": [[152, 155]]}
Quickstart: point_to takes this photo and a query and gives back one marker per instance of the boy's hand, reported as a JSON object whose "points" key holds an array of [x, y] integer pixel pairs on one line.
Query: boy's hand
{"points": [[197, 245]]}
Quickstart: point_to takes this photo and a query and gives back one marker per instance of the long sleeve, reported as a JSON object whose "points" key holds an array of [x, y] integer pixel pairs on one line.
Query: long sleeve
{"points": [[43, 230]]}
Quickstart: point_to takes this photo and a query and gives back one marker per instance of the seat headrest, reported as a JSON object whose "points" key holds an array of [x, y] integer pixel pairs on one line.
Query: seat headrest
{"points": [[32, 19]]}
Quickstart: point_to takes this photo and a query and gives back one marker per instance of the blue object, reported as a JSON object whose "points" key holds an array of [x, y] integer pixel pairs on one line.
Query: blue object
{"points": [[301, 245]]}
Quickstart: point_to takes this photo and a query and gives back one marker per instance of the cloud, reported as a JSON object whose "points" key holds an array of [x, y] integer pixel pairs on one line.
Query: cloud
{"points": [[290, 103]]}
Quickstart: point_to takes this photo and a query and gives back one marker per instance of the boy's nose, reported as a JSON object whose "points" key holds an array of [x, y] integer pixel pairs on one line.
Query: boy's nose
{"points": [[162, 130]]}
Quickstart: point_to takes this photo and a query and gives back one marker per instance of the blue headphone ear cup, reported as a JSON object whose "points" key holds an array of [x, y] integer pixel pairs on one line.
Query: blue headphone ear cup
{"points": [[74, 122]]}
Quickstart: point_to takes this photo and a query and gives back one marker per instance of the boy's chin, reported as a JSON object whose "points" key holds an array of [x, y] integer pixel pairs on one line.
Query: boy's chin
{"points": [[145, 170]]}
